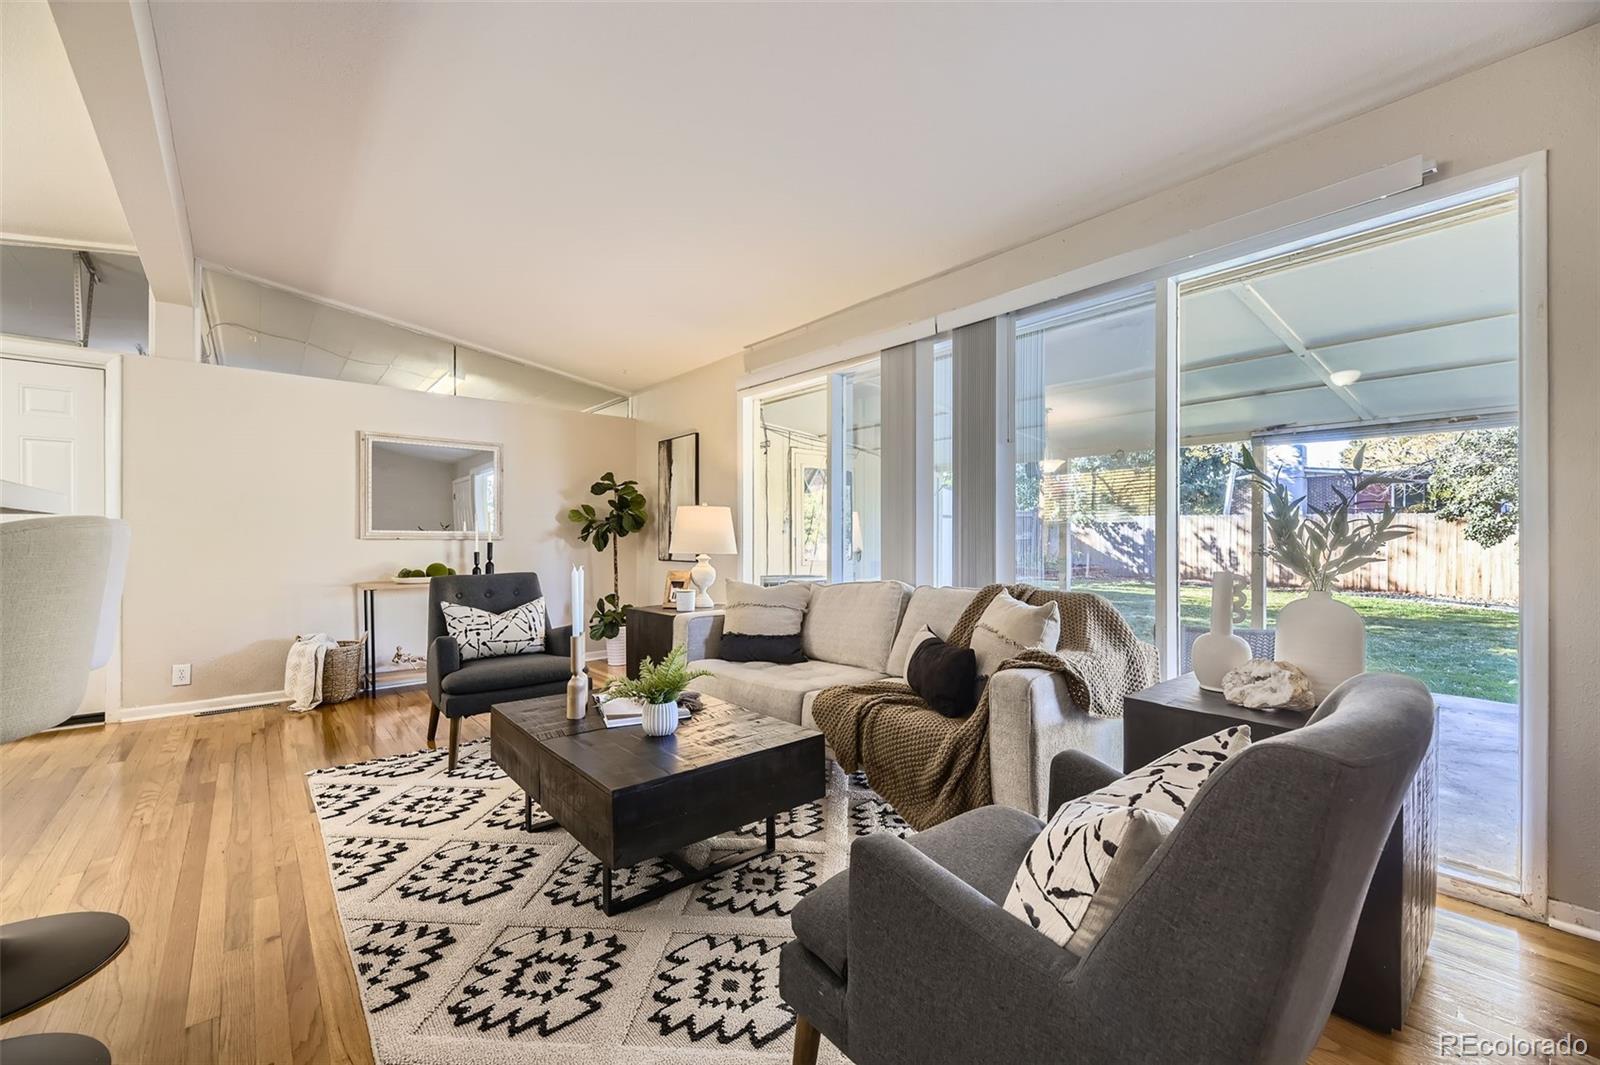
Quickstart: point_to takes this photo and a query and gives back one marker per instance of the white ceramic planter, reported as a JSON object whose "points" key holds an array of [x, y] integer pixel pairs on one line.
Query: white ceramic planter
{"points": [[617, 649], [1216, 652], [1325, 638], [660, 719]]}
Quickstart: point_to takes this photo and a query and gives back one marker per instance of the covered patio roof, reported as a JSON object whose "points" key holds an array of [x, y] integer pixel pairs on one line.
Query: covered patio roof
{"points": [[1410, 325]]}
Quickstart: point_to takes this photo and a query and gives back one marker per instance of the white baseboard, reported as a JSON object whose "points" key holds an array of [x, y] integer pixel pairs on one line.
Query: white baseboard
{"points": [[1578, 920], [197, 706], [235, 702]]}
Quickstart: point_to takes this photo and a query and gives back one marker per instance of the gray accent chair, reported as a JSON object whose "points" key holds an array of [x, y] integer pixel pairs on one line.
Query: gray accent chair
{"points": [[1229, 949], [460, 689], [61, 583]]}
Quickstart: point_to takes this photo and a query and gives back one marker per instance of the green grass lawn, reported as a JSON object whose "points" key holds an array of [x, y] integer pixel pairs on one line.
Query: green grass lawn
{"points": [[1454, 649]]}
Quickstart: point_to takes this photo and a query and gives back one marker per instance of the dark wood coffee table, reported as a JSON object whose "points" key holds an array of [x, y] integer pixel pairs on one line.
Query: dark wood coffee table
{"points": [[627, 797]]}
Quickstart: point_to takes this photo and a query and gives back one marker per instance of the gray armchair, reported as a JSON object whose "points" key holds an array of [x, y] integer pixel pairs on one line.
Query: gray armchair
{"points": [[460, 689], [60, 593], [1230, 947]]}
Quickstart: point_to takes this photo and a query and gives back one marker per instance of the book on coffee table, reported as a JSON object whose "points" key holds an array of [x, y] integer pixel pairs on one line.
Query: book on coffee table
{"points": [[620, 712]]}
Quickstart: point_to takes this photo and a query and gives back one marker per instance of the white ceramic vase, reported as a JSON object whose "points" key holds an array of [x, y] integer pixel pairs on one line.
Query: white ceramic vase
{"points": [[659, 719], [1325, 638], [617, 649], [1216, 652]]}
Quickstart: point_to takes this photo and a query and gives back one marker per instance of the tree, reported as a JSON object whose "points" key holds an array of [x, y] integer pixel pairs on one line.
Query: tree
{"points": [[1474, 481], [624, 514], [1203, 478], [1472, 476]]}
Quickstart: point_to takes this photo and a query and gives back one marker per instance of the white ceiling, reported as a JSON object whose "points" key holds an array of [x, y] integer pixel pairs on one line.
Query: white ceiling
{"points": [[625, 192], [53, 178]]}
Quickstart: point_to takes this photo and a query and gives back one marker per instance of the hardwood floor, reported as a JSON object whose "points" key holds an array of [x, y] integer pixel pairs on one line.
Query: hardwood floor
{"points": [[200, 832]]}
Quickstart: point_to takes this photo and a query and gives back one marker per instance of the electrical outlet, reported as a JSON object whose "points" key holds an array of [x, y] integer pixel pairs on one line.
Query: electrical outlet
{"points": [[180, 675]]}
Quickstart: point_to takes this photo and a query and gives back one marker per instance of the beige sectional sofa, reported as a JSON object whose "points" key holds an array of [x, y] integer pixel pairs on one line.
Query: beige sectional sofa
{"points": [[863, 631]]}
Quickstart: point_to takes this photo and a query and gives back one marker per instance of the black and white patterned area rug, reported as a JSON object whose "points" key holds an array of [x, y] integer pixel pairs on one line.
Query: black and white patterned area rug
{"points": [[476, 941]]}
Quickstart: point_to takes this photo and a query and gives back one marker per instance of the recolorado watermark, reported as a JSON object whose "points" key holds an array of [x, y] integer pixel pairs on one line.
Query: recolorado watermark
{"points": [[1474, 1045]]}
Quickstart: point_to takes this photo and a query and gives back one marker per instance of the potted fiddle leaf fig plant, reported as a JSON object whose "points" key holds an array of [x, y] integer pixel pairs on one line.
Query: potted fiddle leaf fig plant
{"points": [[620, 513], [1320, 544]]}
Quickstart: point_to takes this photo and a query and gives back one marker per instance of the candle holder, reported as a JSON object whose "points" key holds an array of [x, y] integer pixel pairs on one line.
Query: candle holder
{"points": [[488, 565], [475, 567]]}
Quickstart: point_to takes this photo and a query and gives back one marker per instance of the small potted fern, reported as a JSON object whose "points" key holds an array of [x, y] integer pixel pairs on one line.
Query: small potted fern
{"points": [[657, 688]]}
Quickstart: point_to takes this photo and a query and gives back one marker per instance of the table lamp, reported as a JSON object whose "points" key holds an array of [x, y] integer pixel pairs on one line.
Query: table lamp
{"points": [[703, 531]]}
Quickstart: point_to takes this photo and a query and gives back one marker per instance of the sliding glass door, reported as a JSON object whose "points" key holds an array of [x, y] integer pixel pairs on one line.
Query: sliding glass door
{"points": [[1085, 450], [1398, 343]]}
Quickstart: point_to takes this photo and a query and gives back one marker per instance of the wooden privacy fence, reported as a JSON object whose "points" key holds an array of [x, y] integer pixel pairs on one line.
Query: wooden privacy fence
{"points": [[1436, 561]]}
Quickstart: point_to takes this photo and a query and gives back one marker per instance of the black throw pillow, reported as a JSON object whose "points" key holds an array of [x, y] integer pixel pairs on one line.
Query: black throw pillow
{"points": [[945, 676], [783, 650]]}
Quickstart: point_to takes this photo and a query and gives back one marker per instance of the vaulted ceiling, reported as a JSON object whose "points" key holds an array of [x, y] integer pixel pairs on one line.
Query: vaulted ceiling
{"points": [[625, 192]]}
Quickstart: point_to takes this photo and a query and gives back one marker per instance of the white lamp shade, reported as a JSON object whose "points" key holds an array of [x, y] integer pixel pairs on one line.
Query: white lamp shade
{"points": [[703, 531]]}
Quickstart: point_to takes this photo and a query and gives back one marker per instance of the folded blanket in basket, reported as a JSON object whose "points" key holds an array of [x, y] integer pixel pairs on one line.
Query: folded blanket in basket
{"points": [[302, 674]]}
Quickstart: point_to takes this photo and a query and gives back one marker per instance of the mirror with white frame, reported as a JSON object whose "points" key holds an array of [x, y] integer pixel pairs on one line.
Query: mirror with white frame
{"points": [[420, 488]]}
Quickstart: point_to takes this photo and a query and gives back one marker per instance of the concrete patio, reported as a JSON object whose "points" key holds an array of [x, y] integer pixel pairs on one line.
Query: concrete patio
{"points": [[1479, 799]]}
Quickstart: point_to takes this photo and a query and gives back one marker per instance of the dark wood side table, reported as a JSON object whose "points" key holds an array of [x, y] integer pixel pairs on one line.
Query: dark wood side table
{"points": [[627, 797], [653, 631], [1396, 924]]}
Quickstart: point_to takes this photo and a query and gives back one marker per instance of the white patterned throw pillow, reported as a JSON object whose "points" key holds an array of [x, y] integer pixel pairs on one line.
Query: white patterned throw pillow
{"points": [[1077, 873], [482, 634]]}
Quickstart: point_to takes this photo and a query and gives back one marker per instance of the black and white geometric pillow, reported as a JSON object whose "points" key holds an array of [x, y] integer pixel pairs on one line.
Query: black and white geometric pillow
{"points": [[482, 634], [1103, 837], [1168, 784]]}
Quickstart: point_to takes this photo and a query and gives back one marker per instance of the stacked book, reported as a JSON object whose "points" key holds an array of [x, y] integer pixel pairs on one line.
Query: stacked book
{"points": [[620, 712]]}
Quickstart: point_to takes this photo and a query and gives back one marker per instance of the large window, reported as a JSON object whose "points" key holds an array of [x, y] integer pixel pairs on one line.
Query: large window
{"points": [[817, 452], [1085, 450]]}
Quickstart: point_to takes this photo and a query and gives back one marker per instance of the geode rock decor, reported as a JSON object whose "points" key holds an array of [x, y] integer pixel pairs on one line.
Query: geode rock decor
{"points": [[1263, 684]]}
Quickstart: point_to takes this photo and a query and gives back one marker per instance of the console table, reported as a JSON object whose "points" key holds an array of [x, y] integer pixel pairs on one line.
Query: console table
{"points": [[368, 592], [1396, 923]]}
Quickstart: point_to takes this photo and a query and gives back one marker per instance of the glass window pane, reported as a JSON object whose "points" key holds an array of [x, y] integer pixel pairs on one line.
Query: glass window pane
{"points": [[1085, 459], [261, 327], [860, 517], [944, 563], [790, 515], [38, 297]]}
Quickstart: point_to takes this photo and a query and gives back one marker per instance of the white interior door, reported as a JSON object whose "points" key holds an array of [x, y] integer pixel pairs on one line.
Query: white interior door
{"points": [[53, 436]]}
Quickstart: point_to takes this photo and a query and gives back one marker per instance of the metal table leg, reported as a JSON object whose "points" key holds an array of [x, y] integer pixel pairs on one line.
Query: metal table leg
{"points": [[687, 874]]}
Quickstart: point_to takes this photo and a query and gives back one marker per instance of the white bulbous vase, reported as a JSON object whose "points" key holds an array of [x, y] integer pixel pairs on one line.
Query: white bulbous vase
{"points": [[1216, 652], [1325, 638], [659, 719]]}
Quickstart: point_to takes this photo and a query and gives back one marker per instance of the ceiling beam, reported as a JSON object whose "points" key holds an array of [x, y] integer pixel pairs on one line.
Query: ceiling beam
{"points": [[1257, 305], [112, 49]]}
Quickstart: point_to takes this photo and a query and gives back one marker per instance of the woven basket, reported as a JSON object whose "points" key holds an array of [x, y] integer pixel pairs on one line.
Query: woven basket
{"points": [[341, 670]]}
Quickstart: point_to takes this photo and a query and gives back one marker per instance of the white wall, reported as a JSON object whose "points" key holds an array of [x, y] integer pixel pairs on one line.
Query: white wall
{"points": [[1547, 98], [241, 489], [702, 402]]}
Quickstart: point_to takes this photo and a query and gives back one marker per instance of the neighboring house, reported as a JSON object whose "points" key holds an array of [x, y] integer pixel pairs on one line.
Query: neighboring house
{"points": [[1323, 483]]}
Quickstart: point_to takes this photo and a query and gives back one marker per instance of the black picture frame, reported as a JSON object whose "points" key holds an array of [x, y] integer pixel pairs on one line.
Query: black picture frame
{"points": [[677, 485]]}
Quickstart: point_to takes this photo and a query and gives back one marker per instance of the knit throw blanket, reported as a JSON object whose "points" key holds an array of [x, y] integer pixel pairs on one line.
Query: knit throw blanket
{"points": [[931, 767]]}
